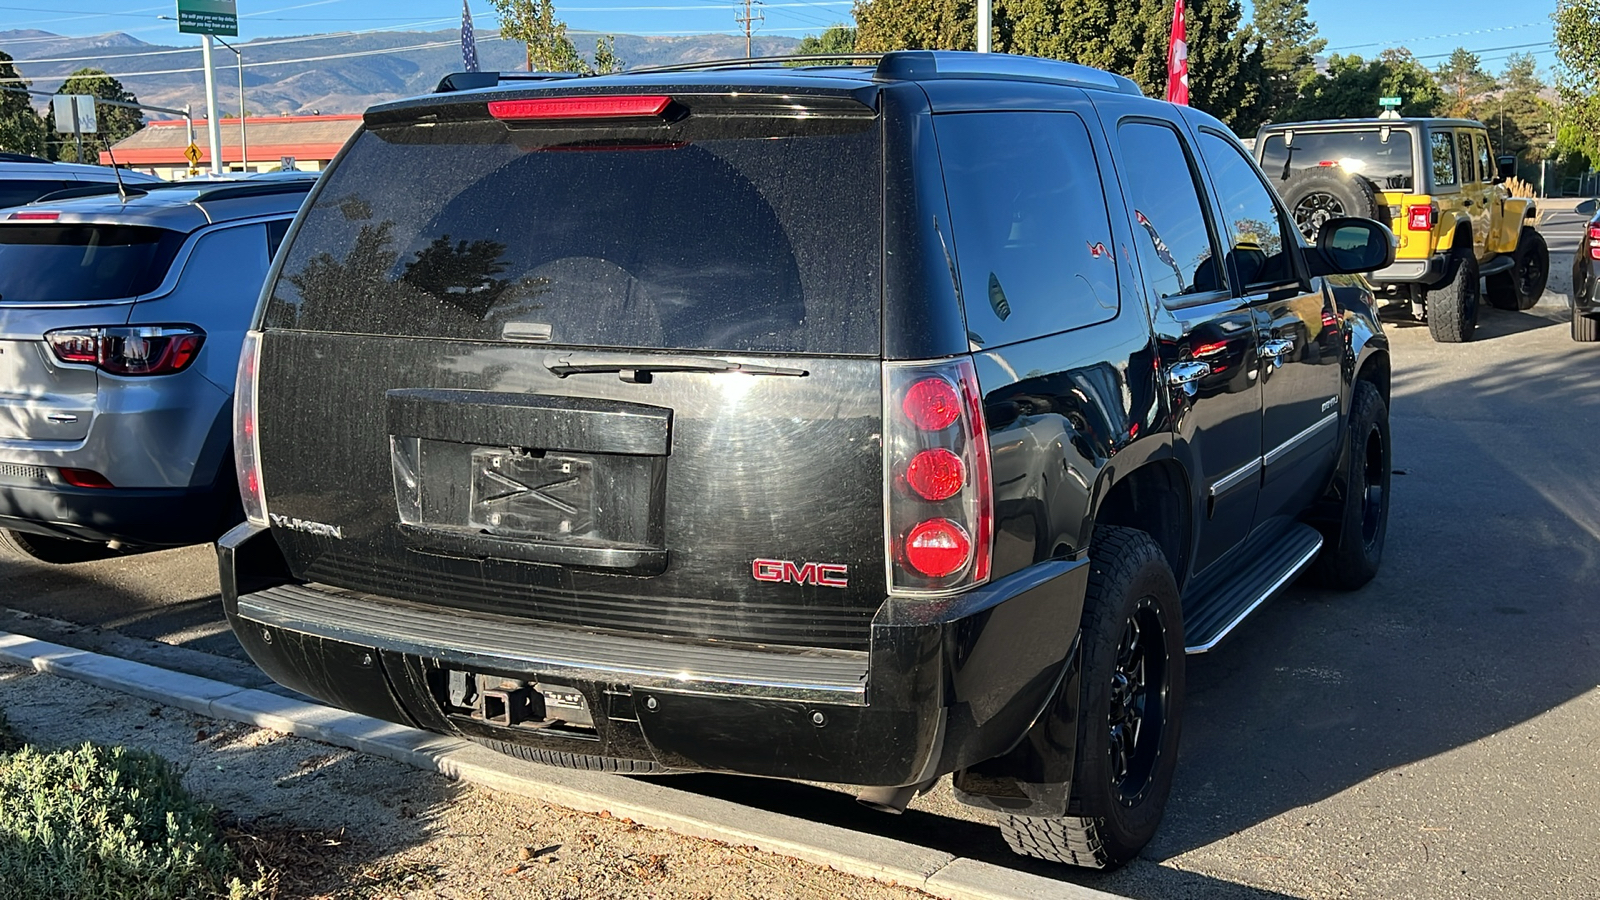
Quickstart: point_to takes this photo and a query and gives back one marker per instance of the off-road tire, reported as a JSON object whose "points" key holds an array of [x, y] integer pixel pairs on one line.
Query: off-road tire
{"points": [[1521, 287], [1129, 581], [54, 550], [1584, 329], [1453, 305], [1352, 547], [1316, 195], [573, 760]]}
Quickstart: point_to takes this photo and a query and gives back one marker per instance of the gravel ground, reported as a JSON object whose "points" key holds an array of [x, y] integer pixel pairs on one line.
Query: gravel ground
{"points": [[336, 823]]}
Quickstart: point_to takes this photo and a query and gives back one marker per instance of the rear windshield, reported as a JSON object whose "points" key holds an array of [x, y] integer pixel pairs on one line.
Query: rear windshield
{"points": [[51, 263], [1385, 163], [475, 231]]}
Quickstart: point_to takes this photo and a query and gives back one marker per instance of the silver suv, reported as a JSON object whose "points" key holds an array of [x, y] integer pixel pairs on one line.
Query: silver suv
{"points": [[121, 318], [24, 178]]}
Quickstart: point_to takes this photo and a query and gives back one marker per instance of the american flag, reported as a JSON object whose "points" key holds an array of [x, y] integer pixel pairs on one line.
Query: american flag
{"points": [[469, 41]]}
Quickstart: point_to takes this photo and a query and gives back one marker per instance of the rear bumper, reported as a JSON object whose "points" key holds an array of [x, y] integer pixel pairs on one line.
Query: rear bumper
{"points": [[945, 684], [32, 499], [1413, 271]]}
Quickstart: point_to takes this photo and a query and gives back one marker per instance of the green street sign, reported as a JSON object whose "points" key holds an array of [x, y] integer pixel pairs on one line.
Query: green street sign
{"points": [[1388, 101], [208, 17]]}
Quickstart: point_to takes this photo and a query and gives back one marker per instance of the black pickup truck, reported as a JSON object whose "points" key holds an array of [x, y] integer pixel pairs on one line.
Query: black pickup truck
{"points": [[860, 424]]}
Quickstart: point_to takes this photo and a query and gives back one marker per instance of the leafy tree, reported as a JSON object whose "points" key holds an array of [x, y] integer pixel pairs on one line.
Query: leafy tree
{"points": [[1352, 86], [1520, 120], [1464, 83], [837, 39], [113, 122], [534, 23], [21, 129], [606, 59], [1577, 35], [1289, 45], [1125, 36]]}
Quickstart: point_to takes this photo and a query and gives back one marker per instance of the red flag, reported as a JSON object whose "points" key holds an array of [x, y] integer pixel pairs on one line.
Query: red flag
{"points": [[1178, 59]]}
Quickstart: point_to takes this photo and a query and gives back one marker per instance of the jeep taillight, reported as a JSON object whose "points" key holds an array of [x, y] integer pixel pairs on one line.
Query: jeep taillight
{"points": [[246, 434], [1420, 217], [939, 507], [1594, 241], [129, 350]]}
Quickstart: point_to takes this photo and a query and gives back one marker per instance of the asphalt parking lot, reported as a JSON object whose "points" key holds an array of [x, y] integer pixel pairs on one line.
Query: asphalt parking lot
{"points": [[1432, 735]]}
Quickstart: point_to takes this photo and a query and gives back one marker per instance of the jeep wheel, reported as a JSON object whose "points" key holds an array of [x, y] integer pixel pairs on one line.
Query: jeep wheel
{"points": [[1352, 547], [55, 550], [1584, 329], [1453, 305], [1316, 195], [1521, 287], [1133, 681]]}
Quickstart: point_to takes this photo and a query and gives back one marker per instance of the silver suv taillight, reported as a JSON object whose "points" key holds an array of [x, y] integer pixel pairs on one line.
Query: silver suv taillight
{"points": [[246, 436], [938, 491]]}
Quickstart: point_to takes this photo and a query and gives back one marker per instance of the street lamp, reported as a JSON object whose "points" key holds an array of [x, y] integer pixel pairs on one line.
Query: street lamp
{"points": [[244, 148]]}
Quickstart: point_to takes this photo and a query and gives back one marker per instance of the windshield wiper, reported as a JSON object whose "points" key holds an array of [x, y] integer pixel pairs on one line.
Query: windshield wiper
{"points": [[639, 368]]}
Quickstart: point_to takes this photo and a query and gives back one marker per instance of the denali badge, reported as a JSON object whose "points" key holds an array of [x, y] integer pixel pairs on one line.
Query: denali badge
{"points": [[824, 574], [308, 526]]}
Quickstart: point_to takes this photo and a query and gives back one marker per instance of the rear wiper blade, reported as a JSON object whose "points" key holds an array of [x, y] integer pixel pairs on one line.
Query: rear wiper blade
{"points": [[639, 368]]}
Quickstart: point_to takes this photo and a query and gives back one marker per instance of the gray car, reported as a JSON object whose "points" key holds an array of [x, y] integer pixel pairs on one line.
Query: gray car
{"points": [[121, 319], [25, 178]]}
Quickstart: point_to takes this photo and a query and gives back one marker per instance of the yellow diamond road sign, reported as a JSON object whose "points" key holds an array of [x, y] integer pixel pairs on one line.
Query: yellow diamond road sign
{"points": [[192, 153]]}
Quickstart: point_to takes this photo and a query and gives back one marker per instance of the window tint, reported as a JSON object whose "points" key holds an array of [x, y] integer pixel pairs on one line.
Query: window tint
{"points": [[1032, 236], [1170, 231], [16, 193], [1464, 148], [1485, 164], [1444, 160], [50, 263], [1386, 163], [276, 229], [747, 235], [1257, 234]]}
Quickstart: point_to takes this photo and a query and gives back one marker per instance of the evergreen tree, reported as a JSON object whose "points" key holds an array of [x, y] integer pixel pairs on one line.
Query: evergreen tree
{"points": [[1521, 122], [21, 129], [113, 123], [1289, 45], [1465, 84]]}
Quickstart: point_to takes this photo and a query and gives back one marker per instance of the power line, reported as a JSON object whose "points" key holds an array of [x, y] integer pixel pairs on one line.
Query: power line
{"points": [[748, 19], [1435, 37]]}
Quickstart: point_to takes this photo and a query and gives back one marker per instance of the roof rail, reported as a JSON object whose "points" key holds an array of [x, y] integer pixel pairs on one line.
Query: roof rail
{"points": [[253, 189], [922, 65], [7, 156], [753, 61], [90, 190], [467, 81]]}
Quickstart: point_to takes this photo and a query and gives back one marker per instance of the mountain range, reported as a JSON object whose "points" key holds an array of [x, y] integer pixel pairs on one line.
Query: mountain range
{"points": [[322, 74]]}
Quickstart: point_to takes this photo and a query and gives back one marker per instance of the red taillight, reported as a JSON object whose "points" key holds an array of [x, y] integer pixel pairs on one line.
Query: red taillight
{"points": [[246, 439], [579, 107], [1211, 349], [938, 548], [932, 404], [1419, 217], [936, 474], [136, 350], [940, 519], [35, 216], [84, 478], [1594, 241]]}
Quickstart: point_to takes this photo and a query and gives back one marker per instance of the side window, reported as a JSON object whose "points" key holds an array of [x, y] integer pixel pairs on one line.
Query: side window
{"points": [[1028, 213], [1485, 164], [1464, 148], [1170, 232], [276, 229], [16, 193], [1258, 237], [1444, 160]]}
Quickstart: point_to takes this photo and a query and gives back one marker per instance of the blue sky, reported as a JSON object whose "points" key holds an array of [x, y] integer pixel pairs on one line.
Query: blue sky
{"points": [[1492, 27]]}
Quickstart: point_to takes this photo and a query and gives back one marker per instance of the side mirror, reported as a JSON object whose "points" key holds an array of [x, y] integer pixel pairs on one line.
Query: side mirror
{"points": [[1587, 207], [1346, 246], [1505, 166]]}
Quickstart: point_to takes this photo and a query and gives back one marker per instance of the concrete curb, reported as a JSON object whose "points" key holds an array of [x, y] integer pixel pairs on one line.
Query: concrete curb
{"points": [[648, 803]]}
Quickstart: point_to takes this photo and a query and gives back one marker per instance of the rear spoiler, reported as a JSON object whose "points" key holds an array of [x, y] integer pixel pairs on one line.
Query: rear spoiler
{"points": [[470, 81]]}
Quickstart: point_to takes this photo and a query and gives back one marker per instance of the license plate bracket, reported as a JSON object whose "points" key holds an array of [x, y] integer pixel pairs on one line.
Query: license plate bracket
{"points": [[521, 493]]}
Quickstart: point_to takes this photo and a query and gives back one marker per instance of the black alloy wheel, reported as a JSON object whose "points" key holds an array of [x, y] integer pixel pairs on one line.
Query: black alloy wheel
{"points": [[1138, 708], [1314, 209]]}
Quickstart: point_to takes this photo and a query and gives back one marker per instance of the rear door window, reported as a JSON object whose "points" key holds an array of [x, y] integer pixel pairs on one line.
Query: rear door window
{"points": [[1032, 235], [1171, 232], [1383, 159], [1444, 159], [1480, 143], [62, 263], [739, 239]]}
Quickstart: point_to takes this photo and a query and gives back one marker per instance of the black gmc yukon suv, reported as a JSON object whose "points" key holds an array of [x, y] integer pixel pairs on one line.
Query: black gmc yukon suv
{"points": [[857, 424]]}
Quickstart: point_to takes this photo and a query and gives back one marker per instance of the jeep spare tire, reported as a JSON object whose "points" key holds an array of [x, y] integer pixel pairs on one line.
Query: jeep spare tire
{"points": [[1327, 192]]}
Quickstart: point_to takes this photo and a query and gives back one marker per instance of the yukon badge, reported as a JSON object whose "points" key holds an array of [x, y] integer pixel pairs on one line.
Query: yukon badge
{"points": [[782, 570], [307, 526]]}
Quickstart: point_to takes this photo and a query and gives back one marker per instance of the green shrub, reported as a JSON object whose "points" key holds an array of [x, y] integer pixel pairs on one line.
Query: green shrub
{"points": [[107, 823]]}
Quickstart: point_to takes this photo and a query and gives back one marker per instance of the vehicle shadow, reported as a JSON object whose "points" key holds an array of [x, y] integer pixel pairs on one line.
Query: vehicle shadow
{"points": [[1492, 323]]}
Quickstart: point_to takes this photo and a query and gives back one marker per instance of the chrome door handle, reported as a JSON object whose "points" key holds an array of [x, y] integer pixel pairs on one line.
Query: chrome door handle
{"points": [[1275, 348], [1187, 373]]}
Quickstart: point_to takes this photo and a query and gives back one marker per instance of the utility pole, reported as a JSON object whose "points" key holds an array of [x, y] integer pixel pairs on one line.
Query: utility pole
{"points": [[748, 18], [244, 145], [984, 26], [213, 124]]}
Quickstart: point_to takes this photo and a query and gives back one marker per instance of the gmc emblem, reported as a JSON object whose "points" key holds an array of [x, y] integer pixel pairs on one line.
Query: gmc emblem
{"points": [[782, 570]]}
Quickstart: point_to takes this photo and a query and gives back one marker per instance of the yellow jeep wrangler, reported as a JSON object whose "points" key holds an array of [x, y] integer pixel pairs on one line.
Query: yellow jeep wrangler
{"points": [[1437, 185]]}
